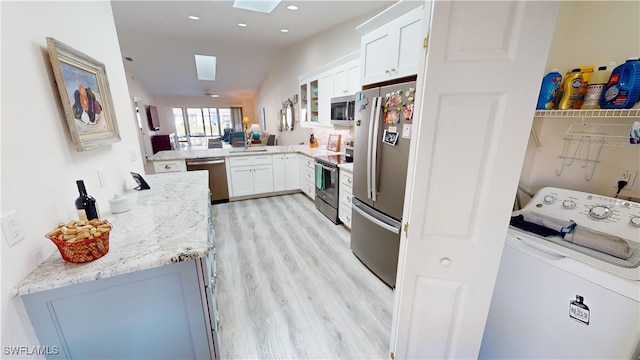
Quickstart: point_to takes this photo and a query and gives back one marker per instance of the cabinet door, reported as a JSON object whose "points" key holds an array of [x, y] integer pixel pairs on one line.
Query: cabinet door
{"points": [[292, 179], [325, 93], [353, 76], [304, 102], [241, 181], [262, 179], [149, 314], [375, 52], [408, 46], [279, 173], [340, 81]]}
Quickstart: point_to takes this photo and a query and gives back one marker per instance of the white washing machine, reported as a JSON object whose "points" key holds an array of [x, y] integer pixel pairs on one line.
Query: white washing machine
{"points": [[557, 300]]}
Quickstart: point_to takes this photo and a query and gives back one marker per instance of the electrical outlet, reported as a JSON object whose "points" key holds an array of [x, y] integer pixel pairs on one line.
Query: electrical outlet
{"points": [[628, 176], [11, 228]]}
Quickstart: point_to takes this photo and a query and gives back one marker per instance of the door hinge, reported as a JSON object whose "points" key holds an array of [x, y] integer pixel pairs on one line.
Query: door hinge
{"points": [[392, 355], [425, 42], [406, 229]]}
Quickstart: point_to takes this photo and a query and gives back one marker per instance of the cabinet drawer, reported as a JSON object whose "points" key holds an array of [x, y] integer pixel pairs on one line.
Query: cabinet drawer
{"points": [[310, 175], [345, 215], [169, 166], [309, 162], [345, 197], [249, 160], [347, 179], [309, 189]]}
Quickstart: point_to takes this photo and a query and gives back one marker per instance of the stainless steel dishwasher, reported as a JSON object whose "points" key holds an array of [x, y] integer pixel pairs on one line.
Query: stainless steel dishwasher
{"points": [[217, 176]]}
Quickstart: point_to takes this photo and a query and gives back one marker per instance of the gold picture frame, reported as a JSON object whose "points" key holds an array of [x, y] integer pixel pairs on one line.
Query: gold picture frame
{"points": [[334, 143], [85, 95]]}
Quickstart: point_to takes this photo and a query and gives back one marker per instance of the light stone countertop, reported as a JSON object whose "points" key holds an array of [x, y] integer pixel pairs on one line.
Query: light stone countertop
{"points": [[166, 224], [227, 152], [348, 167]]}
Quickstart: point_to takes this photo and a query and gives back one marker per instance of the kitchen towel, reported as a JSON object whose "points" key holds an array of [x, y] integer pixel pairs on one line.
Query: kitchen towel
{"points": [[601, 242], [319, 177], [541, 224]]}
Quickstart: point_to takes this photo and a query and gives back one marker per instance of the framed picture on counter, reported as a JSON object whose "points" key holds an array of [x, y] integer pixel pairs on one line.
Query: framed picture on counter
{"points": [[86, 97], [334, 142]]}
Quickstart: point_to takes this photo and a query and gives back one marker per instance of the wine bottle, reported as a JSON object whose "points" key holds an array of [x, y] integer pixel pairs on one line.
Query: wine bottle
{"points": [[86, 204]]}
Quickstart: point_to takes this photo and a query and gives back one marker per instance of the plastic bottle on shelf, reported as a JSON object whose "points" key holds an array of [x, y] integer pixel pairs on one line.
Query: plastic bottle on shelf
{"points": [[549, 90], [597, 82], [623, 89], [570, 90], [586, 72]]}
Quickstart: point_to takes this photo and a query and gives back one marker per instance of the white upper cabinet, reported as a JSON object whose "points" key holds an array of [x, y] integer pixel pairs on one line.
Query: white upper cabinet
{"points": [[346, 78], [393, 50], [337, 78]]}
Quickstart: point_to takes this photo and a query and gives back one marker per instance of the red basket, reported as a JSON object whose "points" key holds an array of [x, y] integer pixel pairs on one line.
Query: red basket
{"points": [[84, 250]]}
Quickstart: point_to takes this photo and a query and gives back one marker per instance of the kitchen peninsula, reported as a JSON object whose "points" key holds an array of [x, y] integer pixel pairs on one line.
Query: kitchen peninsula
{"points": [[151, 296]]}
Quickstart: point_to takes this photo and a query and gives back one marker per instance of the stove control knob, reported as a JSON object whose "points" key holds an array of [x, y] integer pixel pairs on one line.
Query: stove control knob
{"points": [[600, 212], [568, 204], [549, 199], [635, 221]]}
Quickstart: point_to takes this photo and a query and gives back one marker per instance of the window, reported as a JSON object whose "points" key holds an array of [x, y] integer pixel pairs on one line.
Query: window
{"points": [[195, 126]]}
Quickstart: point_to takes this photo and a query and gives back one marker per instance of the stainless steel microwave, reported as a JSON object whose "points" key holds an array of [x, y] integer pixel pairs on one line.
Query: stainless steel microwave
{"points": [[343, 110]]}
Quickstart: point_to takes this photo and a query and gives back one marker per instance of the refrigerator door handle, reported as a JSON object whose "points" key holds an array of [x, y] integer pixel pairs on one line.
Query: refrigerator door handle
{"points": [[380, 223], [374, 107], [374, 149]]}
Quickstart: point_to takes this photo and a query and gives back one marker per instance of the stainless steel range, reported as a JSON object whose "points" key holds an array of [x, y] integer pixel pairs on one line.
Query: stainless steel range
{"points": [[327, 182]]}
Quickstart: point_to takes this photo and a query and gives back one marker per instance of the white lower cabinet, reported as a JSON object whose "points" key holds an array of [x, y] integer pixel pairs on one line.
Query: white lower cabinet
{"points": [[250, 175], [155, 313], [307, 176], [346, 194], [285, 172]]}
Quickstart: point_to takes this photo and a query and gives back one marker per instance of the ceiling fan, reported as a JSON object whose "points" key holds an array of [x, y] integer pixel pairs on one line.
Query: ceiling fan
{"points": [[210, 94]]}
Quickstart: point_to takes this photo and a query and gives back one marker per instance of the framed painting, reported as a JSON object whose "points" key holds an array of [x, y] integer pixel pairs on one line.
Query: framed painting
{"points": [[334, 142], [86, 98]]}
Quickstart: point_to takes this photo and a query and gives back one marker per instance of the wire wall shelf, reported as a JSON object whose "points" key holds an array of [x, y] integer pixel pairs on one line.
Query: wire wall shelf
{"points": [[593, 113], [605, 134]]}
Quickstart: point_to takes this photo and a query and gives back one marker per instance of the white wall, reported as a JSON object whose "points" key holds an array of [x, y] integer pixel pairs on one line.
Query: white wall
{"points": [[586, 33], [281, 83], [39, 161]]}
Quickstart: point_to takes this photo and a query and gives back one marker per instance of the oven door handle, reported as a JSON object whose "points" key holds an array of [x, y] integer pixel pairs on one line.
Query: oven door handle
{"points": [[328, 168]]}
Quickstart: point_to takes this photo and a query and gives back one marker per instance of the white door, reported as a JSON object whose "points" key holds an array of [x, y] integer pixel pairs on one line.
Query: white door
{"points": [[479, 84]]}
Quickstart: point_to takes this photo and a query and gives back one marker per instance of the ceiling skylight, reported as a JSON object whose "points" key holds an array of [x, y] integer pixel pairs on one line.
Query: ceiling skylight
{"points": [[206, 67], [263, 6]]}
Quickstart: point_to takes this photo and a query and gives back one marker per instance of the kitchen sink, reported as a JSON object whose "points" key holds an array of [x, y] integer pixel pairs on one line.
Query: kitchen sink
{"points": [[247, 150]]}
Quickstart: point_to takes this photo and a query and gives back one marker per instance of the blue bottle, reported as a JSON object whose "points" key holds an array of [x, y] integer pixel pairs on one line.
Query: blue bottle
{"points": [[623, 89], [549, 90]]}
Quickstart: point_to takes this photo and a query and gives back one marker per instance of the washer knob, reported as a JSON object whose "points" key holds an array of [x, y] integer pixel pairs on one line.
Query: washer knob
{"points": [[568, 204], [549, 199], [600, 212], [635, 221]]}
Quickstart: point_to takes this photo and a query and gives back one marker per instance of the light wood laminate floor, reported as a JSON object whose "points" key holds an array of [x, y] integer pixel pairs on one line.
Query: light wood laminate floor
{"points": [[290, 287]]}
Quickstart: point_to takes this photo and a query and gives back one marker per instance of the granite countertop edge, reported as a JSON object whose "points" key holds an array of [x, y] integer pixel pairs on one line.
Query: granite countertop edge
{"points": [[167, 224], [168, 155]]}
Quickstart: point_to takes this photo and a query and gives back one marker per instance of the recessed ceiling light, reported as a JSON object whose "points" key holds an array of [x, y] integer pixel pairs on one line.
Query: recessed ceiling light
{"points": [[193, 17], [263, 6], [242, 25], [206, 67], [214, 95], [292, 7], [284, 30]]}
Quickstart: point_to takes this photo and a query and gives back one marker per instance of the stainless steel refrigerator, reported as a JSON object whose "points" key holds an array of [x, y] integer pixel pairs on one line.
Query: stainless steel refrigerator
{"points": [[383, 124]]}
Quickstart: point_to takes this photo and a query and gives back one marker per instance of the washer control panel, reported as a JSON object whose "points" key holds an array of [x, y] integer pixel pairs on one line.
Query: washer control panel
{"points": [[605, 214]]}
